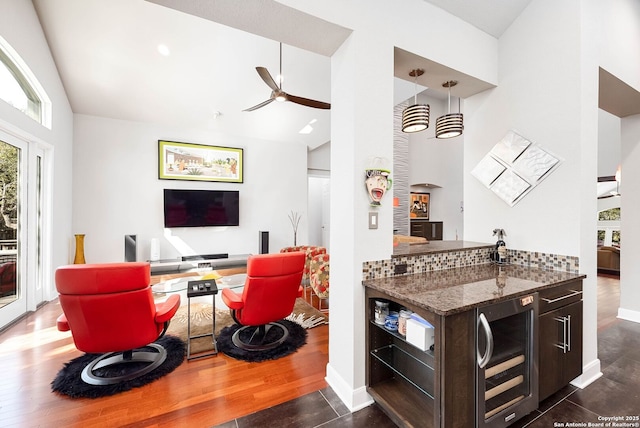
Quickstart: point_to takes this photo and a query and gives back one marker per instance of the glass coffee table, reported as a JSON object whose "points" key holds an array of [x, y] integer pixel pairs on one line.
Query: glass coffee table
{"points": [[200, 286], [180, 284]]}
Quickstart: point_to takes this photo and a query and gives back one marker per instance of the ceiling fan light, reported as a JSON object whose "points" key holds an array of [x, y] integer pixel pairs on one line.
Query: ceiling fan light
{"points": [[415, 118], [449, 125]]}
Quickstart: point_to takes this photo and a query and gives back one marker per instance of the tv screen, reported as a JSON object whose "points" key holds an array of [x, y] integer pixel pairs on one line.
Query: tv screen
{"points": [[196, 208]]}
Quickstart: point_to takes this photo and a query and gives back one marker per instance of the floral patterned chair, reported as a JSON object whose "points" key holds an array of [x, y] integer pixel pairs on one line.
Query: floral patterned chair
{"points": [[310, 251], [319, 277]]}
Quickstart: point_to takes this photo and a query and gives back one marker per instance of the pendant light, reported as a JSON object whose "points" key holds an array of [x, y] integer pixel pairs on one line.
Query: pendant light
{"points": [[449, 125], [415, 118]]}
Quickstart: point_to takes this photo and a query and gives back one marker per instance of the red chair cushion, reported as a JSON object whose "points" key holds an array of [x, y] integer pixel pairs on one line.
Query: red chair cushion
{"points": [[110, 307], [270, 290]]}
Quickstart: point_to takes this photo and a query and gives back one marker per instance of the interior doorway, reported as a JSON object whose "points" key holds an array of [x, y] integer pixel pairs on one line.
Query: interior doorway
{"points": [[319, 208]]}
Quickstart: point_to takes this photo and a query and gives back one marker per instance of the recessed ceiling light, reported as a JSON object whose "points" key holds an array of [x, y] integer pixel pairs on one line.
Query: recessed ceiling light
{"points": [[164, 50]]}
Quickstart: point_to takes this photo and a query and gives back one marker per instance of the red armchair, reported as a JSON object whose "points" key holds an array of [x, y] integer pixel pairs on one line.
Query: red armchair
{"points": [[109, 309], [269, 294]]}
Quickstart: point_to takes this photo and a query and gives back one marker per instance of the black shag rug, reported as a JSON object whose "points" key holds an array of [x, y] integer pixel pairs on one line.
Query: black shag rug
{"points": [[68, 381], [297, 338]]}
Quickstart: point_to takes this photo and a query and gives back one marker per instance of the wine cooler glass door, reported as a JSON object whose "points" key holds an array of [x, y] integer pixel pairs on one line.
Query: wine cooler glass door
{"points": [[507, 370]]}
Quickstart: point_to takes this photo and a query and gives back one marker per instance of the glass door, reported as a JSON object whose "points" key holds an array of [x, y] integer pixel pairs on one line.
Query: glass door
{"points": [[12, 213]]}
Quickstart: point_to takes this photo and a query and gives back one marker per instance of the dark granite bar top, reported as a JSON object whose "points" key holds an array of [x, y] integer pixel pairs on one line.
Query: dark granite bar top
{"points": [[450, 291], [404, 249]]}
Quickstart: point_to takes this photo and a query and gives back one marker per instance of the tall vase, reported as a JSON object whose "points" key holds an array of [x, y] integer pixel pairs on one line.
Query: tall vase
{"points": [[79, 258]]}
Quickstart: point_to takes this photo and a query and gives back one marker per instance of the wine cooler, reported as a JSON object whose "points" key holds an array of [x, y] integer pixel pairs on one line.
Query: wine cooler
{"points": [[507, 372]]}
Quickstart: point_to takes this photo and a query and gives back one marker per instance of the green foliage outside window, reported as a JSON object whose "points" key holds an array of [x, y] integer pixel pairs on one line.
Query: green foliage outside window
{"points": [[615, 238], [611, 214], [8, 191]]}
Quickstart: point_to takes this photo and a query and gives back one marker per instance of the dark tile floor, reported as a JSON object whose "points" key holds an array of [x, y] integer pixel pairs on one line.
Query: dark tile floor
{"points": [[616, 393]]}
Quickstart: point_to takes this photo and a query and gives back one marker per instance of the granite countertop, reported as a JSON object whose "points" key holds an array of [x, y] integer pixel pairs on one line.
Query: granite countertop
{"points": [[405, 249], [450, 291]]}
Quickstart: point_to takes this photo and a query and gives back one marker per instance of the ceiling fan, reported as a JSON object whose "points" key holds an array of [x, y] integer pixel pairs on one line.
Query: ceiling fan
{"points": [[278, 94]]}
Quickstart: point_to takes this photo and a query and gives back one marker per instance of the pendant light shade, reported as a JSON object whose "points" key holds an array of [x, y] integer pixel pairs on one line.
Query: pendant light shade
{"points": [[415, 118], [449, 125]]}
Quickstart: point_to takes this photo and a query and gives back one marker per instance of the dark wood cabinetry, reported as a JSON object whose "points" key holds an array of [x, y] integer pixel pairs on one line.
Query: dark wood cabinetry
{"points": [[411, 385], [437, 387], [432, 230], [560, 339]]}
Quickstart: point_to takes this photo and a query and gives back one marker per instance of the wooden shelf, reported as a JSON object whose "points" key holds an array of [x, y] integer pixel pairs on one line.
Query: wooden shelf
{"points": [[403, 403]]}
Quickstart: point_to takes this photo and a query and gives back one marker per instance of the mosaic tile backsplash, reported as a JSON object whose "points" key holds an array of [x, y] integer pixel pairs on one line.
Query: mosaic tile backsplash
{"points": [[462, 258]]}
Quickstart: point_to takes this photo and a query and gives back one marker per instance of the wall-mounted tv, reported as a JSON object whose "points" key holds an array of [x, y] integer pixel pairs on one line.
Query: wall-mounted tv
{"points": [[197, 208]]}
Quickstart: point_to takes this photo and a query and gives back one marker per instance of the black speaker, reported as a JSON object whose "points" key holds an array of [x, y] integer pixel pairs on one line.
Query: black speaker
{"points": [[130, 252], [263, 242]]}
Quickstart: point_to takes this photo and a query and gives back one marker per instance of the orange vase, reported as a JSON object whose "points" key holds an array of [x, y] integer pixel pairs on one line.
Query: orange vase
{"points": [[79, 258]]}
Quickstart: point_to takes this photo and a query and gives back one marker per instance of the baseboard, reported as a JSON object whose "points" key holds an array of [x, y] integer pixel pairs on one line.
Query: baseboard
{"points": [[354, 399], [629, 315], [590, 373]]}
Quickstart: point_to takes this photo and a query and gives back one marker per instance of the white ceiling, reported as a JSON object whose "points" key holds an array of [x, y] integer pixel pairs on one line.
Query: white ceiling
{"points": [[106, 54], [491, 16]]}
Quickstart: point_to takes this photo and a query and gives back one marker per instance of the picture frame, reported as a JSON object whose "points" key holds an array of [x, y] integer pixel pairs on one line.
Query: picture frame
{"points": [[199, 162], [419, 204]]}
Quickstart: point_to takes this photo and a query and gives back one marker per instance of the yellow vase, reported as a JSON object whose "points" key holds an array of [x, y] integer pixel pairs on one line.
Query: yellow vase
{"points": [[79, 258]]}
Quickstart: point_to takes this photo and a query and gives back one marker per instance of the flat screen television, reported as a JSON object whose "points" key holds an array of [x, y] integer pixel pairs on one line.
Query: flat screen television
{"points": [[197, 208]]}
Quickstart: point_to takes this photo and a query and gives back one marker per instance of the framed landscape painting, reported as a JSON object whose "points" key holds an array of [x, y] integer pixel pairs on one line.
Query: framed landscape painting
{"points": [[199, 162]]}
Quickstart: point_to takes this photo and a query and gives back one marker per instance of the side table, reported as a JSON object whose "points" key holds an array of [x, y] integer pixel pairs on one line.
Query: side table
{"points": [[199, 288]]}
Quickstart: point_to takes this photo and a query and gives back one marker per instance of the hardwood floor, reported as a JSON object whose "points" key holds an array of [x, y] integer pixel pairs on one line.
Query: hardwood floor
{"points": [[608, 299], [198, 393]]}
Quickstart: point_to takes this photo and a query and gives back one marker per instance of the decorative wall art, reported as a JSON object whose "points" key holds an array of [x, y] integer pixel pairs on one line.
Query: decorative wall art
{"points": [[199, 162], [377, 182], [513, 167], [377, 179], [419, 205]]}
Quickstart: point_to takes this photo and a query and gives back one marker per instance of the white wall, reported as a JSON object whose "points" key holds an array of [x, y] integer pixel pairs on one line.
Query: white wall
{"points": [[619, 37], [319, 159], [619, 54], [608, 143], [117, 191], [535, 61], [547, 93], [20, 27], [629, 224]]}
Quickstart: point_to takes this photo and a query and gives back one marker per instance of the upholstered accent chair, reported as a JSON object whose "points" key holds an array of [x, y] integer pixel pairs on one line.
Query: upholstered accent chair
{"points": [[109, 309], [609, 259], [309, 251], [319, 278], [269, 294]]}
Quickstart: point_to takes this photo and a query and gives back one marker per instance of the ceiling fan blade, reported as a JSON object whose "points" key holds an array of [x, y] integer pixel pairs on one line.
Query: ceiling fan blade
{"points": [[307, 102], [264, 73], [262, 104]]}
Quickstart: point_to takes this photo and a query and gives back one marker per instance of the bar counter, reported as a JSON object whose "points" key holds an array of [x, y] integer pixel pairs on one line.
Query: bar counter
{"points": [[418, 249], [450, 291]]}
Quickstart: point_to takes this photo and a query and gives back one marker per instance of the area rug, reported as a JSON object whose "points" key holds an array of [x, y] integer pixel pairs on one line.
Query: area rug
{"points": [[68, 381], [303, 314], [297, 337]]}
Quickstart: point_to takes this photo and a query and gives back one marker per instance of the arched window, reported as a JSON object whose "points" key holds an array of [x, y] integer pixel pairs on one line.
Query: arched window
{"points": [[20, 88]]}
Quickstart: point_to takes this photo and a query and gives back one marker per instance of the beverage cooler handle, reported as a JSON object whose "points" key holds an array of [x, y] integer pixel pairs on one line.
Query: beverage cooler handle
{"points": [[483, 360]]}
